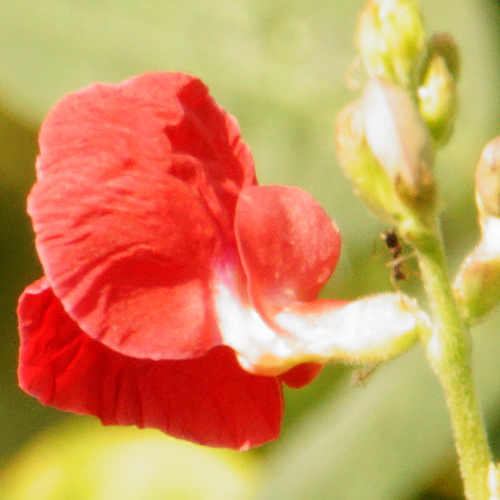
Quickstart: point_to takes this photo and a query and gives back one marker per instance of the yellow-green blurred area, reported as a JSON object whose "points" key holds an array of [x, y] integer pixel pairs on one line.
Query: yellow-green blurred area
{"points": [[279, 66]]}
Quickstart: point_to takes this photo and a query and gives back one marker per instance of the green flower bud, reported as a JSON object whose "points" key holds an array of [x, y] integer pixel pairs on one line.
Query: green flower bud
{"points": [[385, 149], [477, 285], [371, 182], [400, 141], [438, 92], [390, 39], [488, 180]]}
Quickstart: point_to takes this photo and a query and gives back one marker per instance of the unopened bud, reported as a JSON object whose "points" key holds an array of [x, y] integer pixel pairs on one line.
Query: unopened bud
{"points": [[400, 140], [390, 39], [477, 286], [438, 92], [488, 180], [370, 180]]}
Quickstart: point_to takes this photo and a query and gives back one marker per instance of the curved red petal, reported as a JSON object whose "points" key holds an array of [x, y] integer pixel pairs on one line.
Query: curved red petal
{"points": [[133, 269], [136, 190], [209, 400], [207, 149], [288, 245], [206, 146], [301, 375]]}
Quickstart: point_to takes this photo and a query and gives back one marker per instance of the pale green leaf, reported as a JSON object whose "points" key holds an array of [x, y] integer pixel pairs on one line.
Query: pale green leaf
{"points": [[81, 460]]}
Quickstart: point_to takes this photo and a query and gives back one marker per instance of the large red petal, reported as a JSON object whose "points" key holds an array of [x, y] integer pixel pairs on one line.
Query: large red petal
{"points": [[209, 400], [207, 150], [136, 192], [288, 245], [130, 262]]}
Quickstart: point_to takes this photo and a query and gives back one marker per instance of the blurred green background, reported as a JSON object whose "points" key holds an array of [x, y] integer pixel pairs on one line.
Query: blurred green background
{"points": [[279, 67]]}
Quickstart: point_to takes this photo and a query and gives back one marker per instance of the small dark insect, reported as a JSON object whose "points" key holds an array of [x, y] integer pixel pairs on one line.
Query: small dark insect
{"points": [[398, 261]]}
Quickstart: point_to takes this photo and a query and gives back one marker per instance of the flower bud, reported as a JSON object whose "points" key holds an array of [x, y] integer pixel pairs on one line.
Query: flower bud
{"points": [[400, 141], [390, 39], [488, 180], [385, 150], [477, 285], [371, 182], [438, 92]]}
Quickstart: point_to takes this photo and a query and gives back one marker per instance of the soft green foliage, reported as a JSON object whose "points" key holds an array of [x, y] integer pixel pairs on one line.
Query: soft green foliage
{"points": [[279, 67], [83, 460]]}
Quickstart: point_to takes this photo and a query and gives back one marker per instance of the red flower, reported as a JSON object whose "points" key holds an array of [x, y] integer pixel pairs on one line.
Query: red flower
{"points": [[155, 242]]}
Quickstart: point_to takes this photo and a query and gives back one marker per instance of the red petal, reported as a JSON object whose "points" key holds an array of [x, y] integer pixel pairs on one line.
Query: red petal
{"points": [[165, 120], [209, 400], [136, 192], [288, 245], [203, 129], [301, 375], [133, 268], [207, 150]]}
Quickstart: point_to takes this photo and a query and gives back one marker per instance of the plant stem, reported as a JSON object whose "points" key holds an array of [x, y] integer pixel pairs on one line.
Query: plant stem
{"points": [[448, 351]]}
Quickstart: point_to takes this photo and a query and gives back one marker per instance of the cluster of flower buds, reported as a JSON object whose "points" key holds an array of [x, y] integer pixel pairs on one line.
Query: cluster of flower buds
{"points": [[387, 138], [477, 285]]}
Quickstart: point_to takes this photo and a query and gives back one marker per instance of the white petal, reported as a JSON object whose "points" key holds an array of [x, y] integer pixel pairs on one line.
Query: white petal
{"points": [[369, 330]]}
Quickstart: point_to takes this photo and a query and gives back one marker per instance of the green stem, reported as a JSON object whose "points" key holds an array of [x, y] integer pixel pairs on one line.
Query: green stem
{"points": [[448, 351]]}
